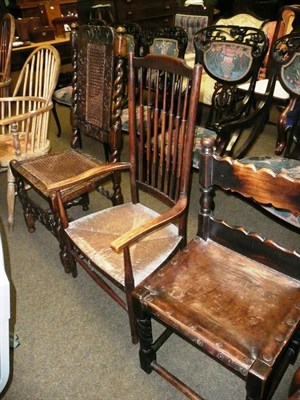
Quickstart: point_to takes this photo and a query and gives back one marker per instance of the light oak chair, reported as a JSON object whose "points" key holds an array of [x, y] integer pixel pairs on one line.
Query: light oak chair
{"points": [[232, 55], [24, 118]]}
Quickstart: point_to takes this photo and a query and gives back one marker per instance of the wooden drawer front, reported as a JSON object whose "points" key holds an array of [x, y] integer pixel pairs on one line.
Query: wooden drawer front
{"points": [[128, 10]]}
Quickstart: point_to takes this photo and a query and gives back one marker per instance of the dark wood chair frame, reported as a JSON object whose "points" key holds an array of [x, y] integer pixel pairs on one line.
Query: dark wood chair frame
{"points": [[7, 34], [98, 117], [233, 112], [196, 279]]}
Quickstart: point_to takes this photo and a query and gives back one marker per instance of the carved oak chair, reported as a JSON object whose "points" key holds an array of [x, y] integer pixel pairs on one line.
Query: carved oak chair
{"points": [[98, 90], [232, 55], [7, 33], [231, 293], [126, 243], [286, 65], [24, 117]]}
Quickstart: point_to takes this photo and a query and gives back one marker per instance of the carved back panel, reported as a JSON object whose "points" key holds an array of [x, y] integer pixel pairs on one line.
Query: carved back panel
{"points": [[93, 60]]}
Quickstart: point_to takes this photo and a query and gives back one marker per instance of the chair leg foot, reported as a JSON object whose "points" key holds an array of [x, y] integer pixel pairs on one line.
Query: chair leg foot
{"points": [[68, 263]]}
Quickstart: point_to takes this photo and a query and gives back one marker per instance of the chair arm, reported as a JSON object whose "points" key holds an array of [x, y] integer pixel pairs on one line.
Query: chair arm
{"points": [[25, 103], [138, 233], [88, 175]]}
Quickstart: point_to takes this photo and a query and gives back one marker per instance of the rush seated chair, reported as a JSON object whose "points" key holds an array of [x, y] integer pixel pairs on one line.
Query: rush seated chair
{"points": [[98, 85], [24, 117], [231, 293], [121, 245], [232, 55]]}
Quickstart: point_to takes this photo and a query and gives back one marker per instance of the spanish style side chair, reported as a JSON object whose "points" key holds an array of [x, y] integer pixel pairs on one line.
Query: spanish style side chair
{"points": [[120, 246], [98, 92]]}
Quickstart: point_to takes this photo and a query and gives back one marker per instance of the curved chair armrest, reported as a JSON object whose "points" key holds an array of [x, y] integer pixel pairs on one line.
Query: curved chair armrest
{"points": [[87, 175], [136, 234], [10, 119]]}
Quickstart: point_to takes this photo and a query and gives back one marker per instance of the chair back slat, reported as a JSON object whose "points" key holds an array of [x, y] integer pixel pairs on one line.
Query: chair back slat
{"points": [[160, 130], [285, 66]]}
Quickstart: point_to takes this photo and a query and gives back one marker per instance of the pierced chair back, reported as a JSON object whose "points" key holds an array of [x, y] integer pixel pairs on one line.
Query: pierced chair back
{"points": [[128, 242], [286, 64], [26, 113], [287, 22], [100, 58], [7, 33], [242, 19], [169, 40], [161, 115], [231, 55], [233, 292]]}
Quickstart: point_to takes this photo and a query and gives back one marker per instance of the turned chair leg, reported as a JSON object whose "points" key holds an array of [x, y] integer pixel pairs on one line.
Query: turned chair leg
{"points": [[10, 198]]}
